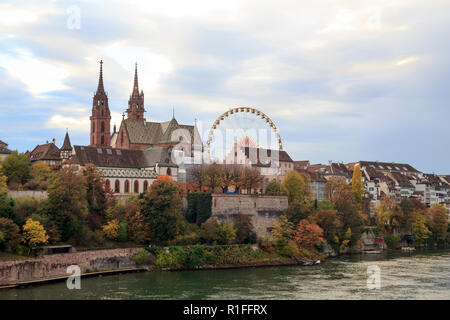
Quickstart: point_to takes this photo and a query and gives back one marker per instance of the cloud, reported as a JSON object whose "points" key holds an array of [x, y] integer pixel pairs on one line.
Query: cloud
{"points": [[342, 80]]}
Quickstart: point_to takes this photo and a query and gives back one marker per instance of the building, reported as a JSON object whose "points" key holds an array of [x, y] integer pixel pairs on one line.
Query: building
{"points": [[135, 132], [123, 170], [47, 153], [4, 151], [272, 164]]}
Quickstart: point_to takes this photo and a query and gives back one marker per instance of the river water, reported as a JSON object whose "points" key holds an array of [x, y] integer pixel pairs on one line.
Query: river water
{"points": [[420, 275]]}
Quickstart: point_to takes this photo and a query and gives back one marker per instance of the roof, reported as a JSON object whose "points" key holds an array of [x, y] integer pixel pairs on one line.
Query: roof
{"points": [[107, 157], [4, 148], [152, 133], [332, 169], [388, 166], [401, 179], [48, 151], [66, 145], [314, 176], [303, 164]]}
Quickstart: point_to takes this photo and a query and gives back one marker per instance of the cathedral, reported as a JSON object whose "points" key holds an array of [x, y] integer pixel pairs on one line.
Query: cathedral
{"points": [[135, 132]]}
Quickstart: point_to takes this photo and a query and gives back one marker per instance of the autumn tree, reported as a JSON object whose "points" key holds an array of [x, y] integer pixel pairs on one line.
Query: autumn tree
{"points": [[9, 235], [327, 220], [34, 234], [3, 182], [420, 230], [251, 179], [96, 196], [212, 174], [308, 235], [334, 187], [17, 167], [357, 185], [283, 231], [209, 231], [111, 229], [388, 215], [67, 203], [162, 207], [439, 222]]}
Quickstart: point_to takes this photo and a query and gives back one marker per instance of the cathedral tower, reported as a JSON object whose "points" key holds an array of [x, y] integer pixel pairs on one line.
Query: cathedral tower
{"points": [[136, 109], [101, 116]]}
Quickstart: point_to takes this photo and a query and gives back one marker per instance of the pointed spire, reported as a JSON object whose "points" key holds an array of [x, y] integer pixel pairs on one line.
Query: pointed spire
{"points": [[66, 145], [136, 84], [173, 112], [100, 87]]}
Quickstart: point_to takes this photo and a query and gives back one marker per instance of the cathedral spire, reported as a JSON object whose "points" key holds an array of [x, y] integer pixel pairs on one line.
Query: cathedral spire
{"points": [[100, 87], [136, 83]]}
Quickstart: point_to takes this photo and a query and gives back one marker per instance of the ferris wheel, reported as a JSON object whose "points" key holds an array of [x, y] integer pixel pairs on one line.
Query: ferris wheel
{"points": [[245, 126]]}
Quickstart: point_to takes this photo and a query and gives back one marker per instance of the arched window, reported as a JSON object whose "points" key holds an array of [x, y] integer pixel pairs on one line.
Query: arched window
{"points": [[127, 186], [93, 127], [103, 127], [145, 185], [169, 172], [107, 185], [103, 140], [136, 186], [117, 186]]}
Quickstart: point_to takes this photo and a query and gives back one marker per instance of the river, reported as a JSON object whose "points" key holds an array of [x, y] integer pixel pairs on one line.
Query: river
{"points": [[419, 275]]}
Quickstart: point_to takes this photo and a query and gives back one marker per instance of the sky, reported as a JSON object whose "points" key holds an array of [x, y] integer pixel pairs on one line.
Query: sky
{"points": [[342, 80]]}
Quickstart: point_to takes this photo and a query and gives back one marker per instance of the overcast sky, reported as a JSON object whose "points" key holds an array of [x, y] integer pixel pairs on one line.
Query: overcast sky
{"points": [[343, 80]]}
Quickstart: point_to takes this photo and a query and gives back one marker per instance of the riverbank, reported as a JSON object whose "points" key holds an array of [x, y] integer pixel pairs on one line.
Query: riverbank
{"points": [[50, 268]]}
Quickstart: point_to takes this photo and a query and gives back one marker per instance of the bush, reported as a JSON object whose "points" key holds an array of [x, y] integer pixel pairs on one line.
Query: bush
{"points": [[143, 257], [244, 228], [289, 249], [209, 231], [226, 233]]}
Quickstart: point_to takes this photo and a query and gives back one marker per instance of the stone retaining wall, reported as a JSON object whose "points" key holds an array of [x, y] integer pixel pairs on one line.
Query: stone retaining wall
{"points": [[55, 265], [264, 210]]}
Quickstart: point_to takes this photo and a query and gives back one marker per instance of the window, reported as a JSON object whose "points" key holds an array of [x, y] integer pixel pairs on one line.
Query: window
{"points": [[169, 172], [136, 186], [121, 137], [107, 185], [127, 186], [103, 140], [93, 127], [145, 186], [117, 186], [102, 127]]}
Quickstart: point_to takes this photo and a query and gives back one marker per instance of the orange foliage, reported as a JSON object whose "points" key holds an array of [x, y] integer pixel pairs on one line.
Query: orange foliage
{"points": [[308, 234], [165, 177]]}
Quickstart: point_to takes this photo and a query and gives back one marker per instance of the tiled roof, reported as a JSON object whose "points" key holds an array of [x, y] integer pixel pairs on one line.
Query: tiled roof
{"points": [[402, 180], [66, 145], [303, 164], [122, 158], [4, 148], [388, 166], [109, 157], [48, 151]]}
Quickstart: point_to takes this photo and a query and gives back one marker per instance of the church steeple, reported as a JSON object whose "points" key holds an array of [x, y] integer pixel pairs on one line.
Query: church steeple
{"points": [[136, 109], [101, 116], [100, 88]]}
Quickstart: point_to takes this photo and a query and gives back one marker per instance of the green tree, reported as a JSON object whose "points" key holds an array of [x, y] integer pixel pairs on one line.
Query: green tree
{"points": [[274, 188], [327, 219], [7, 210], [226, 233], [162, 207], [17, 167], [9, 235], [67, 203], [298, 187], [357, 185], [298, 211]]}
